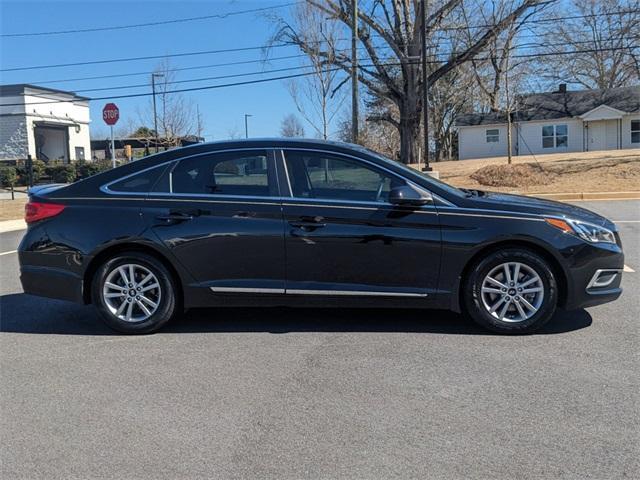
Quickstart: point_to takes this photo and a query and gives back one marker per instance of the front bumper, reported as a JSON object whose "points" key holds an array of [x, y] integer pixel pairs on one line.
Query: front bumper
{"points": [[595, 279]]}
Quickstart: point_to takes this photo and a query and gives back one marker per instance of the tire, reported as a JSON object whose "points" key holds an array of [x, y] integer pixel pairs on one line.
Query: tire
{"points": [[112, 296], [525, 306]]}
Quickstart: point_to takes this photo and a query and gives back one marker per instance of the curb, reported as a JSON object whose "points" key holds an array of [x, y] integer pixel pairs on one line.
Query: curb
{"points": [[12, 225], [588, 196]]}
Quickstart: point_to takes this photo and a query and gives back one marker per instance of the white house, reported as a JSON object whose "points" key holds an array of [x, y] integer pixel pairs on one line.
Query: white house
{"points": [[562, 121], [45, 123]]}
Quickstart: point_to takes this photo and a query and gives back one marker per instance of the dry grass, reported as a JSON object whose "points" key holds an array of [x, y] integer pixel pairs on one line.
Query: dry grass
{"points": [[610, 171], [12, 209]]}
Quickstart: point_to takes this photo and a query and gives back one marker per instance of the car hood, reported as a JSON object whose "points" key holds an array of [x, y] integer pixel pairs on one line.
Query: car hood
{"points": [[538, 206]]}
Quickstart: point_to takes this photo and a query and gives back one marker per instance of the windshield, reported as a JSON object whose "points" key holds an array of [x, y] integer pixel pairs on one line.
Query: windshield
{"points": [[412, 171]]}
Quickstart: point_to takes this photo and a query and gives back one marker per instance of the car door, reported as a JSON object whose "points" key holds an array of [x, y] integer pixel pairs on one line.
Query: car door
{"points": [[220, 216], [343, 237]]}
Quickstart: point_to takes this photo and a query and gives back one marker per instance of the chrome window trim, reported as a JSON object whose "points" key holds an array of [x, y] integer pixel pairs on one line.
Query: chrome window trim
{"points": [[105, 188], [358, 159]]}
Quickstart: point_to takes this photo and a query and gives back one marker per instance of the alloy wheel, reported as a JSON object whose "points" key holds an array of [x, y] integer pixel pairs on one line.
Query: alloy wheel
{"points": [[132, 293], [512, 292]]}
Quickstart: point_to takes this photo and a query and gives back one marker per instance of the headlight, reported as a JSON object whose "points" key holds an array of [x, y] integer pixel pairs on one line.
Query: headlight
{"points": [[585, 230]]}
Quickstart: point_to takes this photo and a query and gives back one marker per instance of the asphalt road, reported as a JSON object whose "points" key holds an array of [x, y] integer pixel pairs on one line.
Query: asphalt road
{"points": [[280, 393]]}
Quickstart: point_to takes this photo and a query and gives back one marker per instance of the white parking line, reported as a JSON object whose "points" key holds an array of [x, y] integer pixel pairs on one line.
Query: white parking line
{"points": [[8, 253], [627, 268]]}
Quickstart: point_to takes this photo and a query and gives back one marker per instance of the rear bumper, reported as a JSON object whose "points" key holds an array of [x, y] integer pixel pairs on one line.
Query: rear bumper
{"points": [[51, 282]]}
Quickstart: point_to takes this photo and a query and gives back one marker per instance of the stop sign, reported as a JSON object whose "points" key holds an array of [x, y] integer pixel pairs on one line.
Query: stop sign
{"points": [[110, 114]]}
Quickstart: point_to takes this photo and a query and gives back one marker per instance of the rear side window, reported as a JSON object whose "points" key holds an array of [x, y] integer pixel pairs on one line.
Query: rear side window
{"points": [[242, 173], [140, 182]]}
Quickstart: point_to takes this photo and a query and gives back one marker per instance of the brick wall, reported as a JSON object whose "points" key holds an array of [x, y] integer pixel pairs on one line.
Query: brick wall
{"points": [[13, 137]]}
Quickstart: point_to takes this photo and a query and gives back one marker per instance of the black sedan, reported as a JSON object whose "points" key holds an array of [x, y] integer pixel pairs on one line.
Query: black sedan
{"points": [[308, 223]]}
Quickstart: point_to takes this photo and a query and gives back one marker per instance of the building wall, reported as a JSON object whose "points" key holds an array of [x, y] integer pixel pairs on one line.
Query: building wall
{"points": [[530, 137], [17, 122], [14, 139], [472, 142], [626, 131]]}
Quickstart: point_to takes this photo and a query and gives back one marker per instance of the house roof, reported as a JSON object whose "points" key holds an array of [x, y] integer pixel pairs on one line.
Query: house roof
{"points": [[27, 88], [567, 104]]}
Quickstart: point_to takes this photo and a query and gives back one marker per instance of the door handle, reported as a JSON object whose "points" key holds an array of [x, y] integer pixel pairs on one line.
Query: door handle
{"points": [[175, 217]]}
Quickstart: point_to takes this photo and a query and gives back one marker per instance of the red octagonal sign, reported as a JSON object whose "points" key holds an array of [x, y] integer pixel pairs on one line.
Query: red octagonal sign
{"points": [[110, 114]]}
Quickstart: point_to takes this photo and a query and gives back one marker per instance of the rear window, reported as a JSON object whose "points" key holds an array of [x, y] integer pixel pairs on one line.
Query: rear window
{"points": [[140, 182]]}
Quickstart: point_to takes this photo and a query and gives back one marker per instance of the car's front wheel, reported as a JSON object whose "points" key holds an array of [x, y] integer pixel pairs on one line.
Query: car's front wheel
{"points": [[134, 293], [511, 291]]}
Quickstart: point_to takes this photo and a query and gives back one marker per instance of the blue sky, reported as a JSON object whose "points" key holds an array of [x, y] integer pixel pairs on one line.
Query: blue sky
{"points": [[222, 109]]}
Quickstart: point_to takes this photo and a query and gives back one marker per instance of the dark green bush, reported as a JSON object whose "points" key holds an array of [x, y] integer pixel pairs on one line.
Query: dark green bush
{"points": [[86, 169], [8, 176], [62, 173]]}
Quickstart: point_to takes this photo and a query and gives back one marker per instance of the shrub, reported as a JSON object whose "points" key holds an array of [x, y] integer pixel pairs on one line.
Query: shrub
{"points": [[62, 173], [520, 175], [8, 176], [39, 168], [86, 169]]}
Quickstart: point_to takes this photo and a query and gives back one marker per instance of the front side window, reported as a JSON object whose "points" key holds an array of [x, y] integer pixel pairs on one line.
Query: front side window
{"points": [[232, 173], [493, 135], [635, 131], [331, 177], [555, 136]]}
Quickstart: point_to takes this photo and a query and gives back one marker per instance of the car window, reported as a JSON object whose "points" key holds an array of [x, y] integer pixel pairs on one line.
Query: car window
{"points": [[332, 177], [232, 173], [140, 182]]}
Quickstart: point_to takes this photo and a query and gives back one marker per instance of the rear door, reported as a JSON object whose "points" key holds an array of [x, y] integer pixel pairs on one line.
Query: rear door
{"points": [[220, 216], [343, 237]]}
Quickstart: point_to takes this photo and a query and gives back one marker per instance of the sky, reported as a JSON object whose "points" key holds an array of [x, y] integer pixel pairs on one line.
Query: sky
{"points": [[222, 109]]}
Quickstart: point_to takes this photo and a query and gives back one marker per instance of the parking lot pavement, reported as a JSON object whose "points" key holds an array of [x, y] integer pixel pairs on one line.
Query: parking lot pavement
{"points": [[284, 393]]}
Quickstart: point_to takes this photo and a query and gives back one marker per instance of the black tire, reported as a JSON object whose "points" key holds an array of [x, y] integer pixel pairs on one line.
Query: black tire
{"points": [[475, 306], [167, 305]]}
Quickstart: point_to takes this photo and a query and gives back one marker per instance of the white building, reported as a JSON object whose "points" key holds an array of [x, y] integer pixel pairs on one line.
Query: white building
{"points": [[45, 123], [556, 122]]}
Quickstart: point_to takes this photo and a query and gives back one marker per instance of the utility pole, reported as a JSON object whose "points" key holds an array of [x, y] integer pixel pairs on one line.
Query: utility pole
{"points": [[155, 115], [246, 125], [354, 72], [425, 86]]}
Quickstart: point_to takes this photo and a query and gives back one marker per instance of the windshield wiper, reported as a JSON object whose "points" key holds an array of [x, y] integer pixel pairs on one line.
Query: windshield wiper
{"points": [[469, 192]]}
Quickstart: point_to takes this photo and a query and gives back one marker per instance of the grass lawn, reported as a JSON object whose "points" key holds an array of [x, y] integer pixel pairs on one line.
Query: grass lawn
{"points": [[608, 171], [12, 209]]}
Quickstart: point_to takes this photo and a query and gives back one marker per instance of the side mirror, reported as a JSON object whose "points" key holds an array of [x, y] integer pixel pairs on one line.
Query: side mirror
{"points": [[409, 196]]}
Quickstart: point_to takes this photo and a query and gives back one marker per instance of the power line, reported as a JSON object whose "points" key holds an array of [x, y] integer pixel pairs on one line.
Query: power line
{"points": [[148, 24], [219, 77], [261, 47], [284, 77]]}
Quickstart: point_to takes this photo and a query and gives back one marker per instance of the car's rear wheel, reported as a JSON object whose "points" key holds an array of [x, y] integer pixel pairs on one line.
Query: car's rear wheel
{"points": [[134, 293], [511, 291]]}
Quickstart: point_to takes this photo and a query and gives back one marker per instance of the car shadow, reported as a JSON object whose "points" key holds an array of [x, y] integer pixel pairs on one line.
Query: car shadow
{"points": [[21, 313]]}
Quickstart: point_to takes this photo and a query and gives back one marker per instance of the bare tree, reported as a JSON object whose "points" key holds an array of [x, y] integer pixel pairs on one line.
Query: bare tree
{"points": [[176, 114], [389, 32], [605, 39], [319, 96], [291, 126]]}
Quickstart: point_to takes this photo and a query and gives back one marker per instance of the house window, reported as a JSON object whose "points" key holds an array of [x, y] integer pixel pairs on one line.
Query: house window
{"points": [[555, 136], [80, 153], [635, 131], [493, 135]]}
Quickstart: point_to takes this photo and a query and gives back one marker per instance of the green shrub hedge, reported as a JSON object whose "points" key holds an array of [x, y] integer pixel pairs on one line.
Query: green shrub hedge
{"points": [[8, 176]]}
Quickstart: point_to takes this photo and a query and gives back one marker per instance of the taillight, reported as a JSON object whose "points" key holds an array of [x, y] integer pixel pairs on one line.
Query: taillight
{"points": [[34, 211]]}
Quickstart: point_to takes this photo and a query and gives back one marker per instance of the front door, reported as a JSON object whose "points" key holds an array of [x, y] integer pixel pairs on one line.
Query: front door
{"points": [[597, 135], [219, 215], [344, 238]]}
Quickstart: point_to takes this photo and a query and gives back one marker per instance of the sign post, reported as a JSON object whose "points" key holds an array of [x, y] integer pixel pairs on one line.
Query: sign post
{"points": [[110, 115]]}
